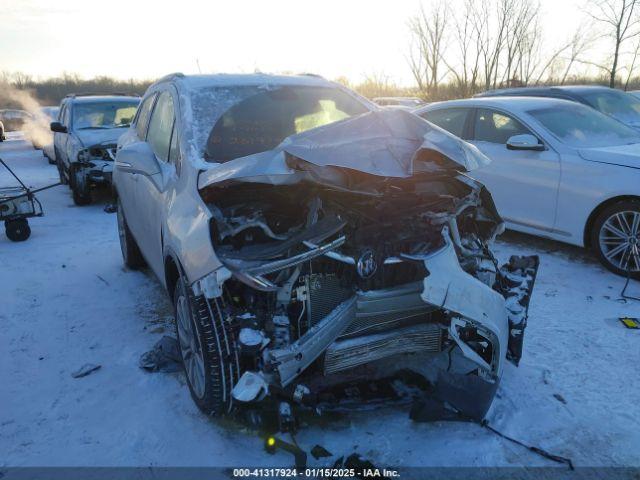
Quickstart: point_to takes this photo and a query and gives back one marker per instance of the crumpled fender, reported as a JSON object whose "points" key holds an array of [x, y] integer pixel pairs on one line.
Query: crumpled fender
{"points": [[449, 287]]}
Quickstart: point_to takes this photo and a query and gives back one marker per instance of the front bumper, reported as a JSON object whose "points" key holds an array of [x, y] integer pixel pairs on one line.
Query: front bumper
{"points": [[97, 171]]}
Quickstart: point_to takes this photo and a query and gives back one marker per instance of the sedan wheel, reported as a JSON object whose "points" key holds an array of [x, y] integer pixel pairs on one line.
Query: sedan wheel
{"points": [[617, 238]]}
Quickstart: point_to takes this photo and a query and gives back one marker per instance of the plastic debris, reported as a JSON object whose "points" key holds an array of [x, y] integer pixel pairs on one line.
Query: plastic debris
{"points": [[164, 357], [85, 370]]}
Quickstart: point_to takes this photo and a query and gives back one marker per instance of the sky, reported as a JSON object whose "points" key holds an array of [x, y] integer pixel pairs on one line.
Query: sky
{"points": [[147, 39]]}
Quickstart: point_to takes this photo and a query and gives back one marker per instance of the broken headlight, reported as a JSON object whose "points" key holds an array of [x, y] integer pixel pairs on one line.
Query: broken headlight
{"points": [[84, 155]]}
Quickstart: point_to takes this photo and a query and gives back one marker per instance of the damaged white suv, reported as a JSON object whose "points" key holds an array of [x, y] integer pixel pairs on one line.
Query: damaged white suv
{"points": [[309, 239]]}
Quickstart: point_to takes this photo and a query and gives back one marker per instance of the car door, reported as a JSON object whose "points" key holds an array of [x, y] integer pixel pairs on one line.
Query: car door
{"points": [[151, 191], [127, 179], [61, 140], [524, 183]]}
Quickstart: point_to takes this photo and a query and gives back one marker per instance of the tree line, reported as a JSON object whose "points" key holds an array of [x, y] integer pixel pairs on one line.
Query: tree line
{"points": [[462, 47]]}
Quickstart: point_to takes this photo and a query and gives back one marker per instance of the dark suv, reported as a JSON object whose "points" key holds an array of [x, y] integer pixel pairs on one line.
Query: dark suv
{"points": [[612, 102]]}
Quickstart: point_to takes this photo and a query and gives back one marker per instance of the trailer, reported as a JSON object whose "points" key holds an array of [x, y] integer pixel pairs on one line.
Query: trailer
{"points": [[17, 205]]}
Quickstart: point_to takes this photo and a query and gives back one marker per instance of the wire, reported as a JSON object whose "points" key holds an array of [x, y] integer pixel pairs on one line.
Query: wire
{"points": [[304, 304], [623, 293], [538, 450]]}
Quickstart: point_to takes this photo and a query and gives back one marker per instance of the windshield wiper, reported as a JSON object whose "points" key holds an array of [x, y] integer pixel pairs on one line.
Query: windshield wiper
{"points": [[101, 127]]}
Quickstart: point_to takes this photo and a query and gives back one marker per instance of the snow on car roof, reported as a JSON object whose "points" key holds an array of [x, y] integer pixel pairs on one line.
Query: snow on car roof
{"points": [[516, 104], [103, 98], [246, 79]]}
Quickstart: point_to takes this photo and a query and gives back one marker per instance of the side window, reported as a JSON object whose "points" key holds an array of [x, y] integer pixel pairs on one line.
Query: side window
{"points": [[143, 116], [66, 116], [160, 126], [451, 119], [61, 113], [174, 151], [496, 127]]}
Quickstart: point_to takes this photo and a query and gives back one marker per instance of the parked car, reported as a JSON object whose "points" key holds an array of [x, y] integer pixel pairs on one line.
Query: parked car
{"points": [[14, 119], [49, 153], [85, 138], [612, 102], [559, 170], [37, 128], [399, 102], [308, 238]]}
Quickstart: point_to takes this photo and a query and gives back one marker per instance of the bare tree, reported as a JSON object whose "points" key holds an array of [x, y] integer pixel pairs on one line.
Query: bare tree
{"points": [[579, 44], [426, 55], [622, 22], [465, 64]]}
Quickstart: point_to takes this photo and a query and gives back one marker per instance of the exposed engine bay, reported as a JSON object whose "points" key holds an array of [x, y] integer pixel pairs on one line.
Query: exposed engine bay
{"points": [[342, 275], [95, 164]]}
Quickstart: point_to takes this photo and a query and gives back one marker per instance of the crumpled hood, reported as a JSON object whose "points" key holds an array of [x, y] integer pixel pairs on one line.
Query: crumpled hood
{"points": [[385, 143], [622, 155], [90, 137]]}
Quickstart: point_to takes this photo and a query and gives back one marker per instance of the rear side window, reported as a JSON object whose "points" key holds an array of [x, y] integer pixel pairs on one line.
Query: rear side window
{"points": [[496, 127], [451, 119], [143, 116], [161, 126]]}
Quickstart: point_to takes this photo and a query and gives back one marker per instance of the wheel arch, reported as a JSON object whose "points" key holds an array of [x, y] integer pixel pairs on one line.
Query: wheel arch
{"points": [[172, 272], [596, 211]]}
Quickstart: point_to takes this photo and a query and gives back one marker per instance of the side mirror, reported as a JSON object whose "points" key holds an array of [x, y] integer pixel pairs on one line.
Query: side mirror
{"points": [[57, 127], [524, 142], [137, 158]]}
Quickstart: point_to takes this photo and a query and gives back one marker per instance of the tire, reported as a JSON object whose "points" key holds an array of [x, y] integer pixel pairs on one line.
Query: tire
{"points": [[17, 230], [208, 349], [131, 254], [615, 238], [81, 190]]}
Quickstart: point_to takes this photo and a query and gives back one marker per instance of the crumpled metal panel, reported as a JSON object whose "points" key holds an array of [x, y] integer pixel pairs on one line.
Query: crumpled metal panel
{"points": [[386, 143]]}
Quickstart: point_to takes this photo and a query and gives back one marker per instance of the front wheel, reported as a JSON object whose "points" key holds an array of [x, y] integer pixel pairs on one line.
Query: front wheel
{"points": [[615, 238], [79, 186], [131, 254], [208, 349]]}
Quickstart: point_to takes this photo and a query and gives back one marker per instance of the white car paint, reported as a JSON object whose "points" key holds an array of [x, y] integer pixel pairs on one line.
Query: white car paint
{"points": [[551, 193]]}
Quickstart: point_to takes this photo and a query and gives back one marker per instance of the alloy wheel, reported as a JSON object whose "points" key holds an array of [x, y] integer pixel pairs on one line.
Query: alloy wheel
{"points": [[619, 239], [190, 347]]}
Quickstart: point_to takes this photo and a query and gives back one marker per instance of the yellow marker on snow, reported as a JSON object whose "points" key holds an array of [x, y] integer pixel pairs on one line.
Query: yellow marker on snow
{"points": [[630, 322]]}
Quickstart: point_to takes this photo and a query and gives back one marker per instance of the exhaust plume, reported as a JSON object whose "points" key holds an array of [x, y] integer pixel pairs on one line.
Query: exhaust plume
{"points": [[35, 128]]}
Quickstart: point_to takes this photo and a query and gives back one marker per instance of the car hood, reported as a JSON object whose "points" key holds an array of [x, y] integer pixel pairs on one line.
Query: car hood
{"points": [[622, 155], [384, 143], [91, 137]]}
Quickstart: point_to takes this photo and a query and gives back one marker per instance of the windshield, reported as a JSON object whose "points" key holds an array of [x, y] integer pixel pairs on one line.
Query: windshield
{"points": [[263, 119], [581, 126], [104, 114], [625, 108]]}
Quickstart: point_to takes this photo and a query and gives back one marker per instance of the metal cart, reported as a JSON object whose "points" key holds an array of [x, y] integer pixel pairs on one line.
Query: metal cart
{"points": [[17, 204]]}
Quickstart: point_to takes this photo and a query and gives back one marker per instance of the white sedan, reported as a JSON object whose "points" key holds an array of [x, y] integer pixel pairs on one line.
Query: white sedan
{"points": [[559, 170]]}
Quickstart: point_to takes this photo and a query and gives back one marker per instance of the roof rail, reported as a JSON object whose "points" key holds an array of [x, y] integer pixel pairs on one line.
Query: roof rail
{"points": [[170, 76], [106, 94], [309, 74]]}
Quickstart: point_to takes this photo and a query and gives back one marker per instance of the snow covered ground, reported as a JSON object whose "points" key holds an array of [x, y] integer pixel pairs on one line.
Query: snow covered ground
{"points": [[67, 300]]}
